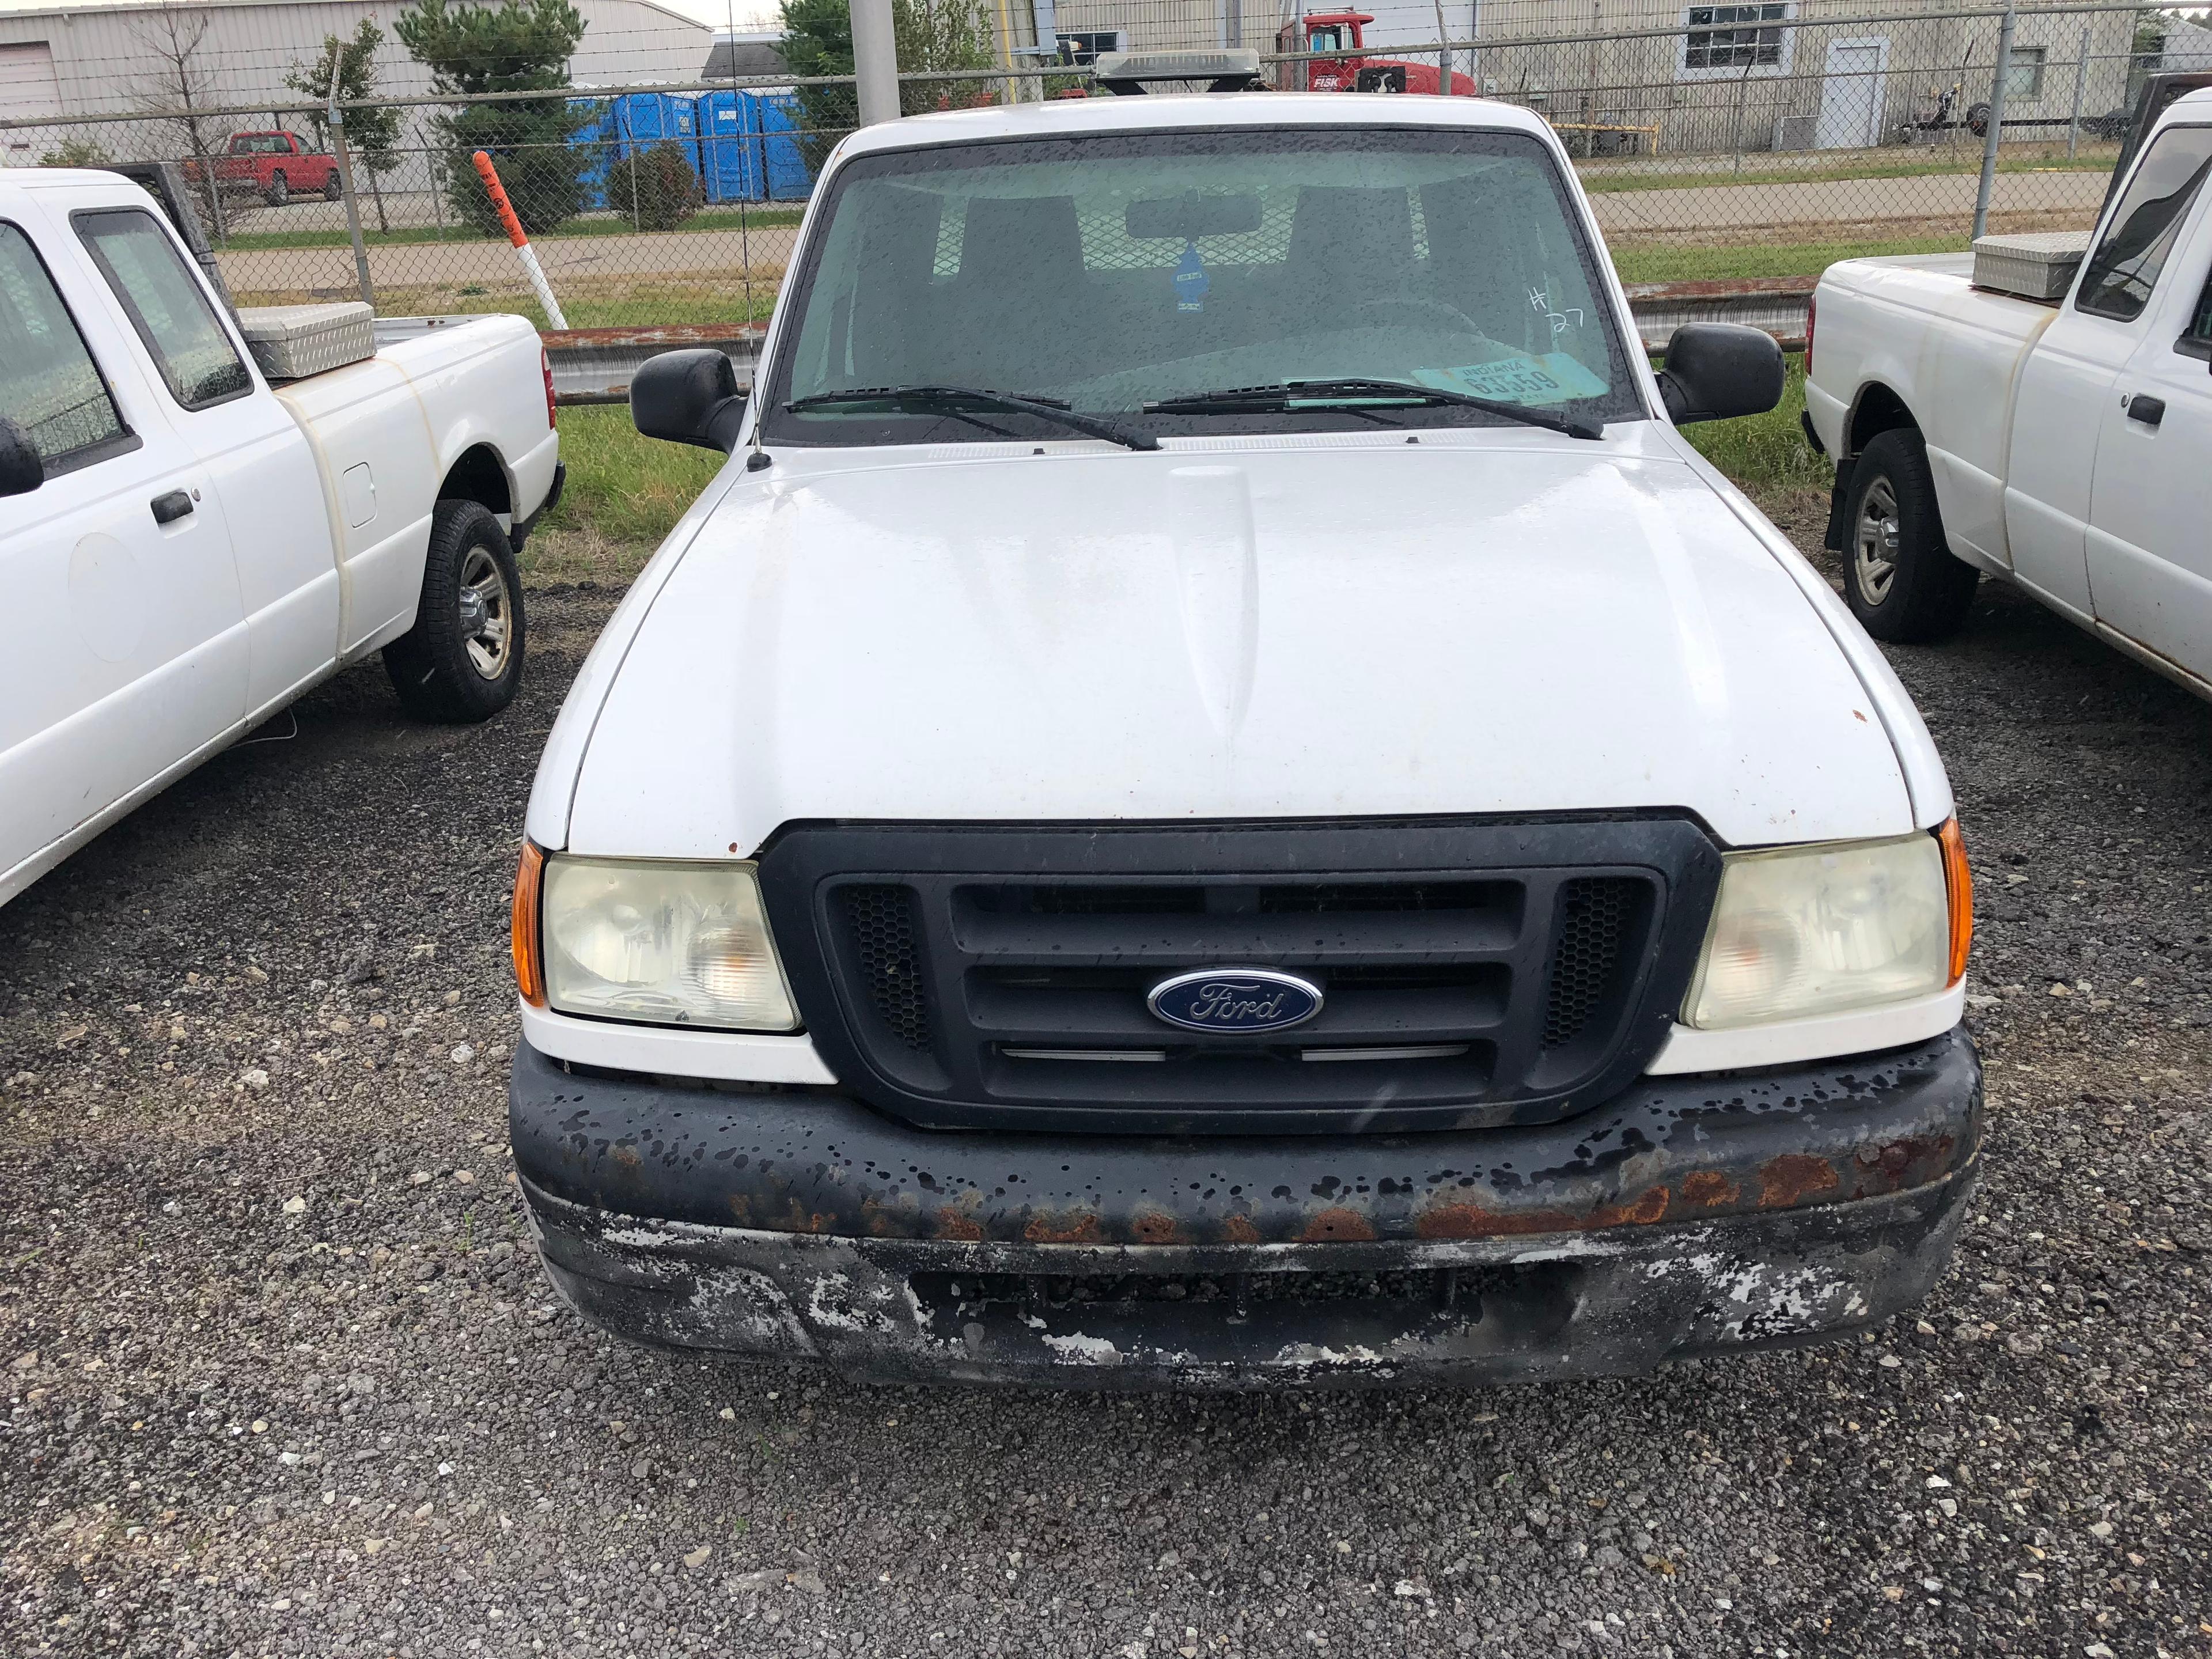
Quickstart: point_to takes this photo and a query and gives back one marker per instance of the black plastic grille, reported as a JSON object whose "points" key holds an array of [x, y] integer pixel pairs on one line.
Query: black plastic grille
{"points": [[974, 976], [886, 948], [1595, 915]]}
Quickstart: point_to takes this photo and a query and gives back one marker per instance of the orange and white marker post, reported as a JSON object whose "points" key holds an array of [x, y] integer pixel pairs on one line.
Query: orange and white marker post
{"points": [[528, 255]]}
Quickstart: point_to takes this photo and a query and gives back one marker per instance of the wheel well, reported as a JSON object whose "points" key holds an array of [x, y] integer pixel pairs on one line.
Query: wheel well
{"points": [[1878, 411], [479, 476]]}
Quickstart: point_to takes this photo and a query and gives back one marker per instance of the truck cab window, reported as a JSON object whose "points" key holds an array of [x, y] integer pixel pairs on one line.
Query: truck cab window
{"points": [[2145, 225], [167, 306], [49, 385], [1328, 40], [1121, 273]]}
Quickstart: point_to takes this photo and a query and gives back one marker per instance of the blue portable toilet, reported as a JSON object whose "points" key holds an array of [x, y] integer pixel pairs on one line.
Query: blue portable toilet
{"points": [[726, 149], [749, 148], [783, 164], [594, 138], [632, 125]]}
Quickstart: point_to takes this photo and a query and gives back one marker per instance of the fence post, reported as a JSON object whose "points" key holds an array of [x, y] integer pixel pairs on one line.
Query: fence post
{"points": [[345, 159], [1444, 52], [875, 61], [2080, 81], [1742, 92], [1997, 77]]}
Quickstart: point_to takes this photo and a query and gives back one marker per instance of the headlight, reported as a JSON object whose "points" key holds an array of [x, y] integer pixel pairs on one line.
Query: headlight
{"points": [[669, 943], [1820, 930]]}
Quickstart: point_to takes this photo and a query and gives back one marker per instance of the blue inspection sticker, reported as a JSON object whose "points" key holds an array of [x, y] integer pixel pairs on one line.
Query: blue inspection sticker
{"points": [[1191, 281], [1553, 378]]}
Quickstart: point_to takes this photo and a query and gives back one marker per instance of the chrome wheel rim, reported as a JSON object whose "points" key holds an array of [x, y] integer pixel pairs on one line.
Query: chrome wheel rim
{"points": [[487, 612], [1874, 542]]}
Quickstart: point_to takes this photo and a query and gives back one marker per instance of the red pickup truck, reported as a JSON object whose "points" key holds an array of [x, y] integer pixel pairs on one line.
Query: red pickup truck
{"points": [[276, 167]]}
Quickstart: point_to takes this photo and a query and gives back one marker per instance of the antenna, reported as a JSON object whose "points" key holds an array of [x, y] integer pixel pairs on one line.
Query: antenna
{"points": [[759, 460]]}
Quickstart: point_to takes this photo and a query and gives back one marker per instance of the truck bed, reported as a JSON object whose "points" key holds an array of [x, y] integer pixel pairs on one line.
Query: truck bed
{"points": [[1916, 326]]}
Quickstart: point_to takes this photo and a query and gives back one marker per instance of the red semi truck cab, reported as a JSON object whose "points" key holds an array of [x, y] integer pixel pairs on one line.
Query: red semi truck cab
{"points": [[1340, 31]]}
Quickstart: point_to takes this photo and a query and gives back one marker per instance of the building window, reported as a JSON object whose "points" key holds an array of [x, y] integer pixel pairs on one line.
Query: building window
{"points": [[2024, 72], [1732, 40]]}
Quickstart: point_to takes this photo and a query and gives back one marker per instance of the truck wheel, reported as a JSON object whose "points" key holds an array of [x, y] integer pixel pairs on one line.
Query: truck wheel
{"points": [[1901, 580], [280, 190], [462, 661], [333, 186]]}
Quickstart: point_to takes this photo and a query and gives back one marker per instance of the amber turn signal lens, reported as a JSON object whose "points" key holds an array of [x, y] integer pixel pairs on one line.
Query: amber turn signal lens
{"points": [[529, 967], [1959, 881]]}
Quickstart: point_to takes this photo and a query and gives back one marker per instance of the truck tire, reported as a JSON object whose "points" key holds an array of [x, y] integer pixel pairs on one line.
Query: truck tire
{"points": [[280, 188], [333, 186], [462, 661], [1901, 579]]}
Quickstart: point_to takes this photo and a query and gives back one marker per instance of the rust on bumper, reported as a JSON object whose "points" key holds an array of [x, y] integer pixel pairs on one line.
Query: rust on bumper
{"points": [[1688, 1215]]}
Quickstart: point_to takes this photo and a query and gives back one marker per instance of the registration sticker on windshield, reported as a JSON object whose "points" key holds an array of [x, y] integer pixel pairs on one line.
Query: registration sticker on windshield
{"points": [[1553, 378]]}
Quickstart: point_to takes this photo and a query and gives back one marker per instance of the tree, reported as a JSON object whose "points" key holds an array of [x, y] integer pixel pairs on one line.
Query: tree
{"points": [[931, 34], [523, 45], [182, 85], [371, 133]]}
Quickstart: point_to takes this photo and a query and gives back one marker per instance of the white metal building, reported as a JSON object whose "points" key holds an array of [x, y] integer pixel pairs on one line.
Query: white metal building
{"points": [[108, 59]]}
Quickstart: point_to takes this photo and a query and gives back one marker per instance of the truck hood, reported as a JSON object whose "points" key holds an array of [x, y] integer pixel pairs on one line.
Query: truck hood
{"points": [[1482, 621]]}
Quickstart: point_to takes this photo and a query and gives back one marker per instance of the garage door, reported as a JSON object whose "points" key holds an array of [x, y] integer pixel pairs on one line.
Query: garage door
{"points": [[27, 91]]}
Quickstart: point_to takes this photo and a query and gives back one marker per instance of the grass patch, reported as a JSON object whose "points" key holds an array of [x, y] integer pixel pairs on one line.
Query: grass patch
{"points": [[1766, 455], [752, 218], [623, 489], [1715, 264]]}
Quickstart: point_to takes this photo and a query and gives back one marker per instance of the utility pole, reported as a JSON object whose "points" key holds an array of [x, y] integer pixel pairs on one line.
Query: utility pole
{"points": [[875, 61], [1998, 78]]}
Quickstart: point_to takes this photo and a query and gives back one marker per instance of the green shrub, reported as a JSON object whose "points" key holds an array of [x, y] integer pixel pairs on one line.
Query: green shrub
{"points": [[76, 153], [655, 189]]}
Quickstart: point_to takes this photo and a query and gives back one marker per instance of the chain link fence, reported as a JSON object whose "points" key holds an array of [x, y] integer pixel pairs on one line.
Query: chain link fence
{"points": [[1741, 141]]}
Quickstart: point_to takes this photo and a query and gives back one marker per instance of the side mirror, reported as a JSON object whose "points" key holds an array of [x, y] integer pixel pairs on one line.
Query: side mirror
{"points": [[1717, 371], [689, 397], [22, 470]]}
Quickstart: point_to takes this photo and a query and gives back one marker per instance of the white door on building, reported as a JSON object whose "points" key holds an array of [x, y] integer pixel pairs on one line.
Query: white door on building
{"points": [[1851, 95], [29, 92]]}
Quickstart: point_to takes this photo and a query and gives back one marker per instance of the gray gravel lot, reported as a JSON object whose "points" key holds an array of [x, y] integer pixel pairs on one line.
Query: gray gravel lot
{"points": [[283, 1377]]}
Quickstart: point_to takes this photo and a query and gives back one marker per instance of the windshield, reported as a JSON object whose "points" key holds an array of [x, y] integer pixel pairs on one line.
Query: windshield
{"points": [[1116, 271]]}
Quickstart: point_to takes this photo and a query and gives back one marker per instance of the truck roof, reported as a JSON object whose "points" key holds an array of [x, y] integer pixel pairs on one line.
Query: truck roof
{"points": [[1067, 117]]}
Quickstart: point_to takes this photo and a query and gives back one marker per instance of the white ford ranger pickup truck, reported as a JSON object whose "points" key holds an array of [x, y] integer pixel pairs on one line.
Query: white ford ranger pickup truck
{"points": [[2065, 447], [1216, 796], [184, 549]]}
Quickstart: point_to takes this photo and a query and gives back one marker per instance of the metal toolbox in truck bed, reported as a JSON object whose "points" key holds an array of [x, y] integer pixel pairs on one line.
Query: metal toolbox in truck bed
{"points": [[293, 342], [2038, 265]]}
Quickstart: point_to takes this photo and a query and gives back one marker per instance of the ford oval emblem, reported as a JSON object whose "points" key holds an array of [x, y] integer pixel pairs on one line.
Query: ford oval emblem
{"points": [[1235, 1000]]}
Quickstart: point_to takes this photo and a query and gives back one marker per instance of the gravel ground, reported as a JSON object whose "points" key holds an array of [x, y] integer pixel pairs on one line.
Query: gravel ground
{"points": [[282, 1376]]}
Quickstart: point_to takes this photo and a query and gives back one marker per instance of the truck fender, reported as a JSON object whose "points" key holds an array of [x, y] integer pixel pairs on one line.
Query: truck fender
{"points": [[1876, 409]]}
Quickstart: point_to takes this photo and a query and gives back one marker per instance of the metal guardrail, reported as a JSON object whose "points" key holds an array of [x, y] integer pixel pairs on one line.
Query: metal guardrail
{"points": [[596, 365]]}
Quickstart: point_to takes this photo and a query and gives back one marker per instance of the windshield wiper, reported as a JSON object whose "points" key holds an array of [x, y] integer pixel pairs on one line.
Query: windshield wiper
{"points": [[1283, 393], [945, 397]]}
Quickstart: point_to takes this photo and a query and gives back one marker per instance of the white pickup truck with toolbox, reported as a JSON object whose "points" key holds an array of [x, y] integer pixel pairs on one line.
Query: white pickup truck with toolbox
{"points": [[1215, 795], [185, 548], [2062, 443]]}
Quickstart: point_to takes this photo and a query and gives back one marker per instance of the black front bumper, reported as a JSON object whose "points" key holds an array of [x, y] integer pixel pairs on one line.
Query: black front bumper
{"points": [[1687, 1216]]}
